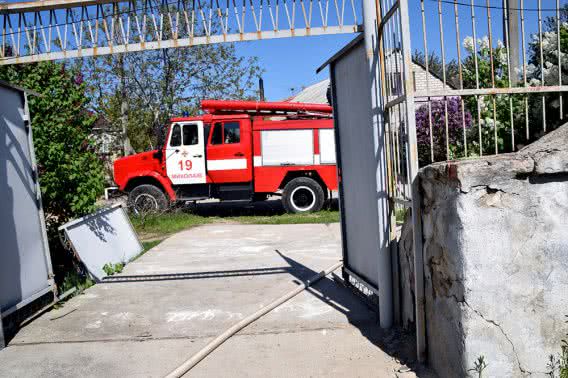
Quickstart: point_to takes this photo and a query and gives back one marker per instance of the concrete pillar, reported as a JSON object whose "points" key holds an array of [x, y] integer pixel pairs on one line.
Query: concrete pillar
{"points": [[376, 122]]}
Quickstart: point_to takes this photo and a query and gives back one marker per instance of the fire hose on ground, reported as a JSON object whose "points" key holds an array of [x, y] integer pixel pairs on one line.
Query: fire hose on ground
{"points": [[197, 357]]}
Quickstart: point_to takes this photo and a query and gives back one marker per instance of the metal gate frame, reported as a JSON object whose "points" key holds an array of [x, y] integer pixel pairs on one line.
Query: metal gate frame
{"points": [[397, 114], [49, 280]]}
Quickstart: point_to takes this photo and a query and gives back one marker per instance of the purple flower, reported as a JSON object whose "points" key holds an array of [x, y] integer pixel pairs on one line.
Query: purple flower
{"points": [[457, 120], [78, 79]]}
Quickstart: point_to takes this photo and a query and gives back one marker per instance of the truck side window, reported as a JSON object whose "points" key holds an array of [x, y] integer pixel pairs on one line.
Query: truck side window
{"points": [[232, 133], [206, 131], [175, 139], [190, 136], [217, 137]]}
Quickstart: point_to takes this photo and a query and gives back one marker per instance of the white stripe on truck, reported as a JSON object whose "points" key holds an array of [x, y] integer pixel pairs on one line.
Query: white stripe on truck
{"points": [[226, 164]]}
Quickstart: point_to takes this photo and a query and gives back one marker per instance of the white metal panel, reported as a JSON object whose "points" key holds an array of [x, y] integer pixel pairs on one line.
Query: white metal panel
{"points": [[327, 146], [360, 221], [287, 147], [25, 266], [103, 237]]}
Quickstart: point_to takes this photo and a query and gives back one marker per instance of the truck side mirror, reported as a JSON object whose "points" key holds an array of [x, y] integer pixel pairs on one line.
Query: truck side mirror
{"points": [[158, 154]]}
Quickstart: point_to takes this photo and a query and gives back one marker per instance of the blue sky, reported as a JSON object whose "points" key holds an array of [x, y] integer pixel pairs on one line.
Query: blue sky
{"points": [[292, 62]]}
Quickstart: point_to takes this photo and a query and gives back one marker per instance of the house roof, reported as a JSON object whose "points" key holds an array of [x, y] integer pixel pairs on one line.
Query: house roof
{"points": [[314, 94]]}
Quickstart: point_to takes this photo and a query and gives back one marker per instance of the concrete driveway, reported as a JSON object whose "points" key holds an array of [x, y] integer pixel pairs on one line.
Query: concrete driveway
{"points": [[173, 300]]}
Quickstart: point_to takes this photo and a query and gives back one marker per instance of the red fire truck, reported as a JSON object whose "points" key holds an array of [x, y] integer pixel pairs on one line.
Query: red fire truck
{"points": [[237, 150]]}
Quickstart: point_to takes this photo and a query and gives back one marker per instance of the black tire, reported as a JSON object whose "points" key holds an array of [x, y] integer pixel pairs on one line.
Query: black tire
{"points": [[147, 198], [303, 195]]}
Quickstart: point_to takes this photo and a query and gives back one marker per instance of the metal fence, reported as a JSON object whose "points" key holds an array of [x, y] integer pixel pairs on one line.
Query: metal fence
{"points": [[501, 66], [58, 29], [465, 79]]}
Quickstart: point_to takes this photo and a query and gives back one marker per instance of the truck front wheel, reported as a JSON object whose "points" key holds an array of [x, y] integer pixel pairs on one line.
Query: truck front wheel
{"points": [[147, 198], [303, 195]]}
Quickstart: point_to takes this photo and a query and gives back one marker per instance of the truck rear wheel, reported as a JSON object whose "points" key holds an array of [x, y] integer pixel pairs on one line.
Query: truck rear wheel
{"points": [[147, 198], [303, 195]]}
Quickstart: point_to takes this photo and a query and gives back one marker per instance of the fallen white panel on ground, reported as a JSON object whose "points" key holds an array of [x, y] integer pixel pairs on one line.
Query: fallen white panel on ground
{"points": [[101, 238]]}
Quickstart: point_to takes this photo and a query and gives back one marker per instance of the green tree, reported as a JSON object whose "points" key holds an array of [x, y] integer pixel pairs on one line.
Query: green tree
{"points": [[71, 176], [143, 90], [436, 67]]}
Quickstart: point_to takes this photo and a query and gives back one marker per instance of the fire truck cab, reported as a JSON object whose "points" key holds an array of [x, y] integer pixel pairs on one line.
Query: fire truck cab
{"points": [[237, 151]]}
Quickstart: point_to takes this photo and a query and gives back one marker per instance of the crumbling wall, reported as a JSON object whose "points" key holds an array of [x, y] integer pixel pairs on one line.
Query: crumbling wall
{"points": [[496, 260]]}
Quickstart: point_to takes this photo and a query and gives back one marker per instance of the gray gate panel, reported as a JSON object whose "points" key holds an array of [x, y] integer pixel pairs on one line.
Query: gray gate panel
{"points": [[358, 176], [24, 266]]}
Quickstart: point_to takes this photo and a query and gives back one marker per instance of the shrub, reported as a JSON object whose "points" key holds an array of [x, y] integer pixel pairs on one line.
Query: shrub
{"points": [[456, 119]]}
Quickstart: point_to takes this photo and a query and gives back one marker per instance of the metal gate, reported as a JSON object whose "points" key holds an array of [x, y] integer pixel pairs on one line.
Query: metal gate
{"points": [[397, 110], [376, 148]]}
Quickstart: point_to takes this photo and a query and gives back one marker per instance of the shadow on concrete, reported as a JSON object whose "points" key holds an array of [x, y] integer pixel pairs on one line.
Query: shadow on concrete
{"points": [[397, 343], [197, 275], [272, 206]]}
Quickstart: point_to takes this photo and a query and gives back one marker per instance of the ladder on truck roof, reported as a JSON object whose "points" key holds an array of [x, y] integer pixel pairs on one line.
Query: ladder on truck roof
{"points": [[295, 110]]}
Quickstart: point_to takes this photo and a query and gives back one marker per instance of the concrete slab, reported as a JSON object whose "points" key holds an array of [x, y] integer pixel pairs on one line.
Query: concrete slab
{"points": [[194, 285]]}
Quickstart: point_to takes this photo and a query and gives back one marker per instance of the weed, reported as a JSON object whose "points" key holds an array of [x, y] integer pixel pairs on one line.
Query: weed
{"points": [[479, 365], [564, 357], [75, 279], [111, 269]]}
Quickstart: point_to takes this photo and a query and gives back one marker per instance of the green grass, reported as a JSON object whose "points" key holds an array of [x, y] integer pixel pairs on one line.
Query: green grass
{"points": [[168, 223], [148, 245], [160, 225]]}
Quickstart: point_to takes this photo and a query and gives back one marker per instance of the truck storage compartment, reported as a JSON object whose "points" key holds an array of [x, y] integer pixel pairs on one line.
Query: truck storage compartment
{"points": [[277, 146], [327, 146]]}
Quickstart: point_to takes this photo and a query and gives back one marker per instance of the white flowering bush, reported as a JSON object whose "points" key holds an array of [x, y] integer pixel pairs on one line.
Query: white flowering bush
{"points": [[551, 71], [480, 54]]}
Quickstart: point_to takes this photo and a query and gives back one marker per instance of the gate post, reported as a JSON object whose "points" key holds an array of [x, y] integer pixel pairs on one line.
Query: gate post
{"points": [[384, 280]]}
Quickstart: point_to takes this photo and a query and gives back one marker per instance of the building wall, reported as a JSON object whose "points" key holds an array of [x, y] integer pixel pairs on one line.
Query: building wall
{"points": [[496, 257]]}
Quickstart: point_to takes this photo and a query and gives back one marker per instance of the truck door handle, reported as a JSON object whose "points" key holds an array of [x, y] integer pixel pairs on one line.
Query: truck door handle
{"points": [[177, 151], [197, 156], [239, 154]]}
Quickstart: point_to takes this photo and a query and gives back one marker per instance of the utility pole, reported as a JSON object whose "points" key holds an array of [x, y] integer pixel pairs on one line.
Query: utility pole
{"points": [[511, 26]]}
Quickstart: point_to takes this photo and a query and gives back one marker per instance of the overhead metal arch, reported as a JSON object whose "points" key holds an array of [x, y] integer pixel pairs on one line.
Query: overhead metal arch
{"points": [[57, 29]]}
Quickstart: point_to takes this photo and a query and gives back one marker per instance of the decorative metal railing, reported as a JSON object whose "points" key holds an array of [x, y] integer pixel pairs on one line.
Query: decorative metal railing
{"points": [[59, 29]]}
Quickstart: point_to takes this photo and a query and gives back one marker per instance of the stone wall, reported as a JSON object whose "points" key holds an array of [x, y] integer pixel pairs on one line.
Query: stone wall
{"points": [[496, 260]]}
